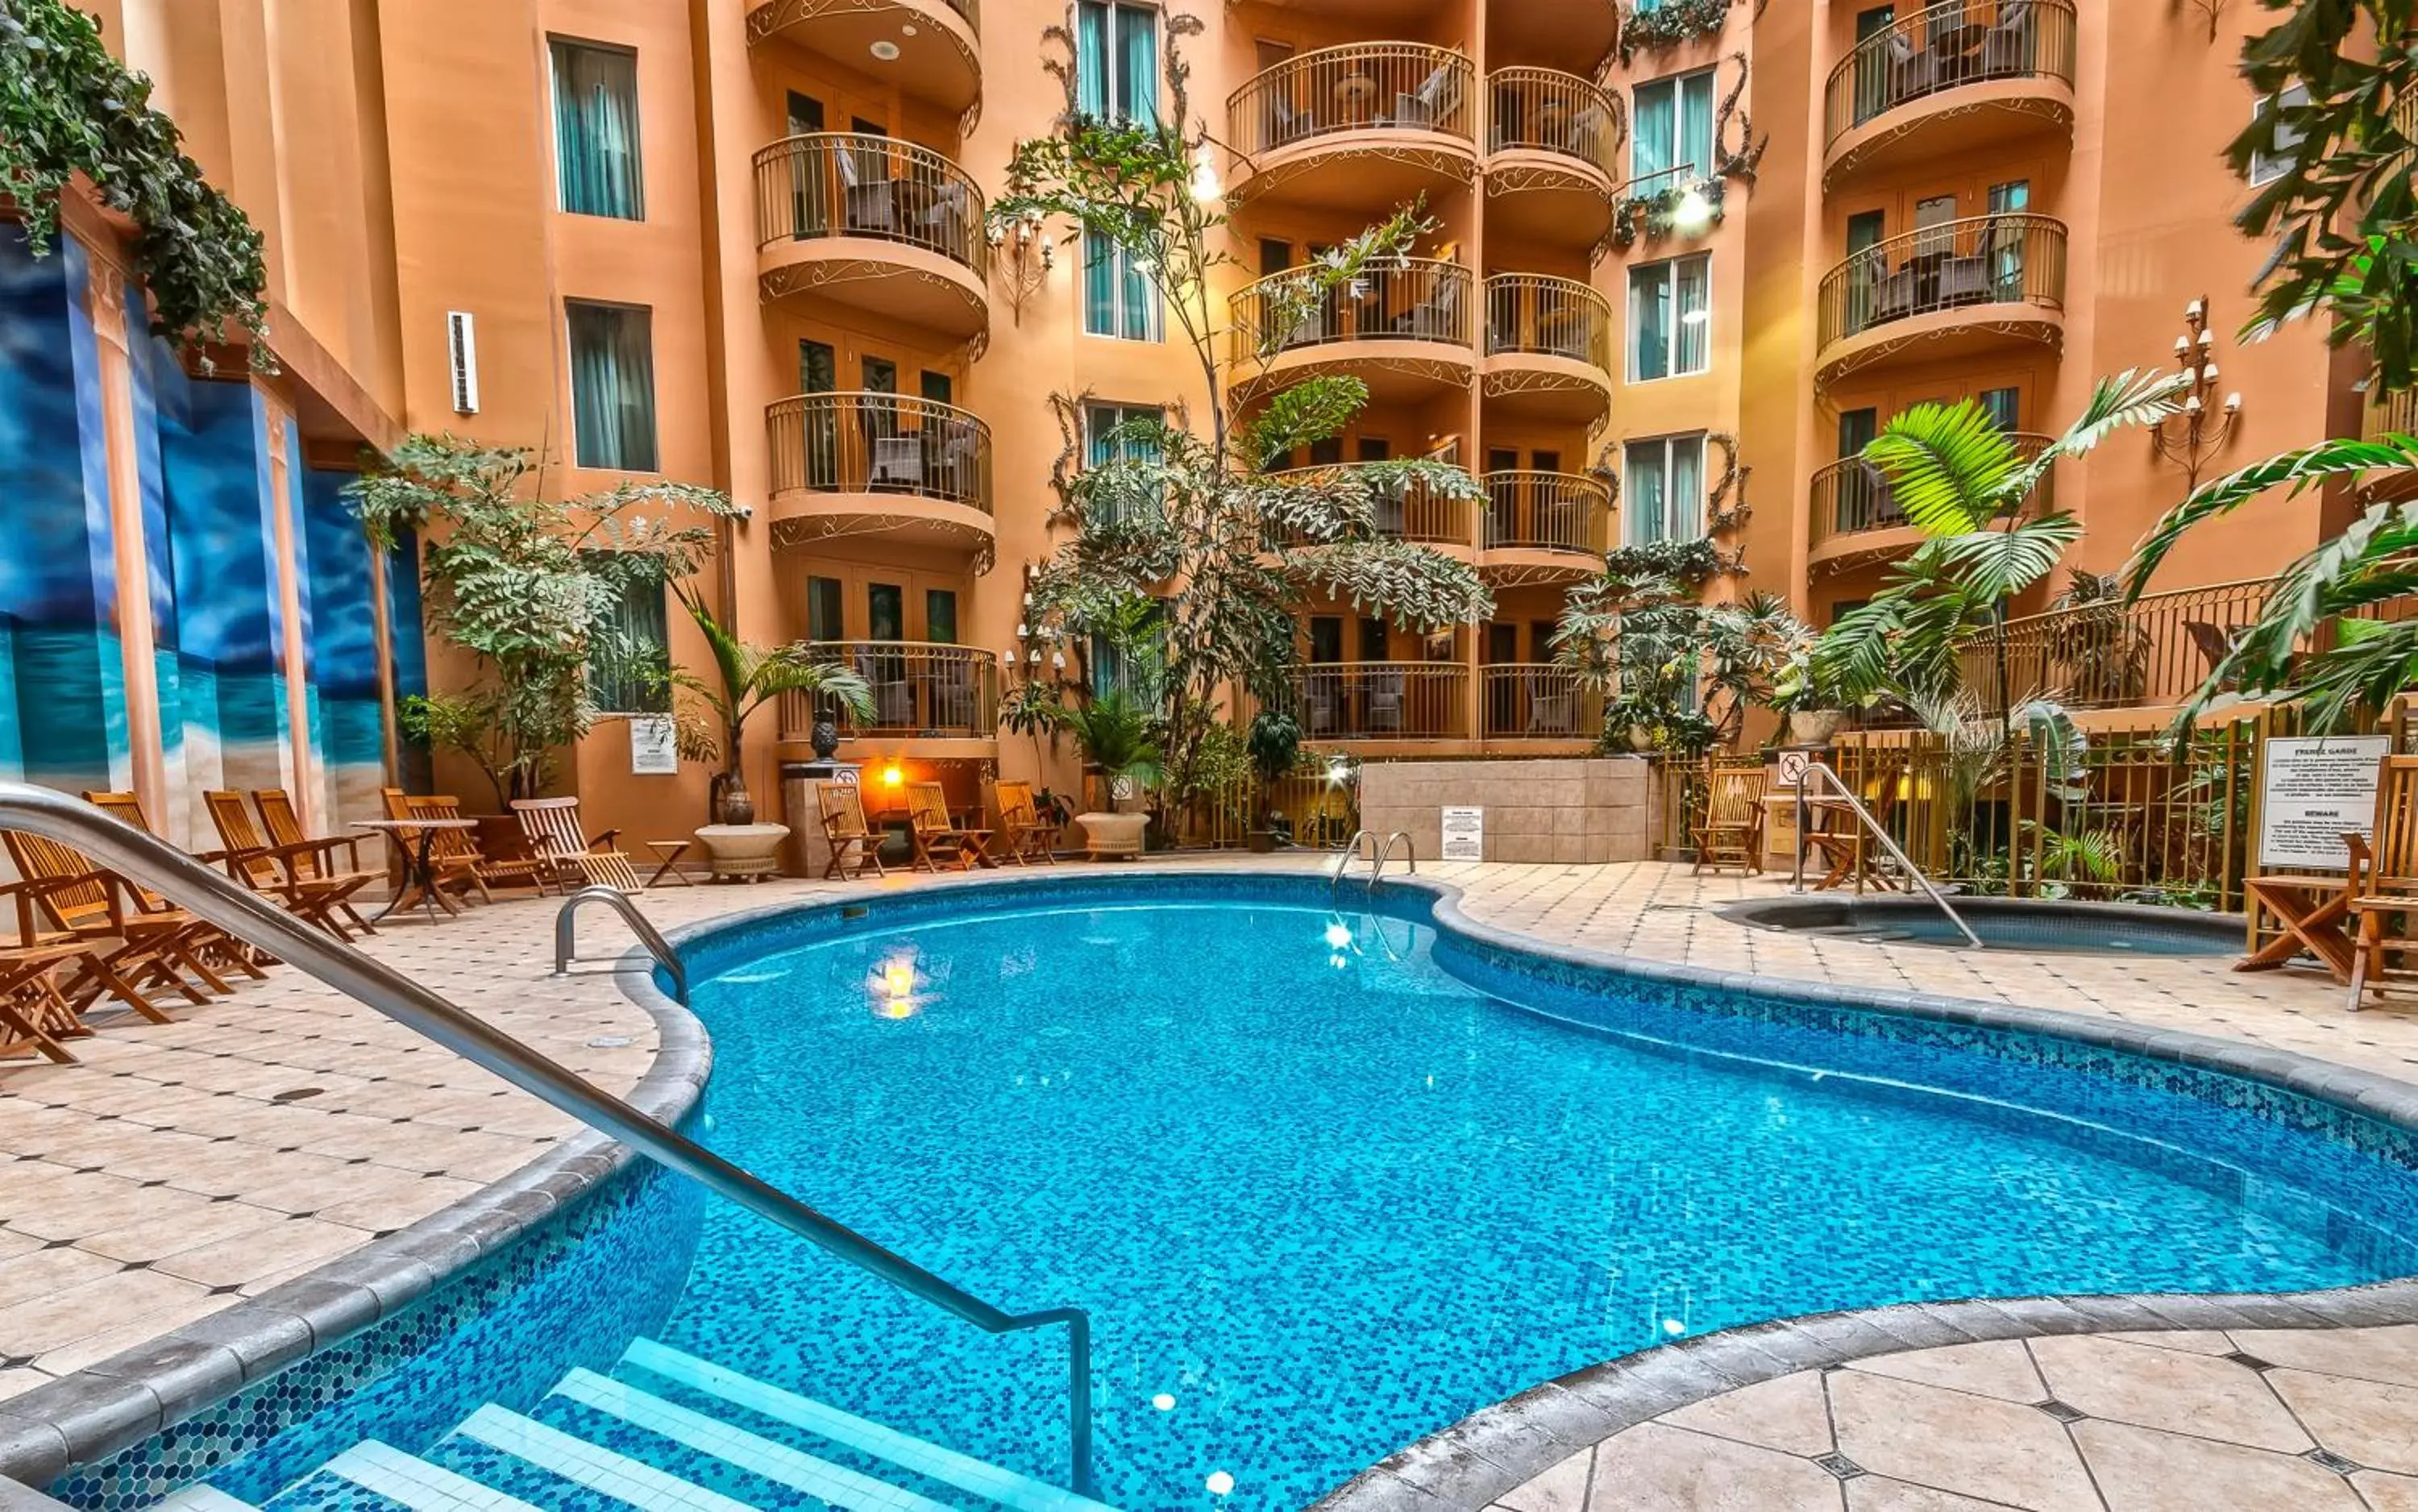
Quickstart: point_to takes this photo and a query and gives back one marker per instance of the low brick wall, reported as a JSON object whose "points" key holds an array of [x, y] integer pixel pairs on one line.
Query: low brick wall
{"points": [[1584, 810]]}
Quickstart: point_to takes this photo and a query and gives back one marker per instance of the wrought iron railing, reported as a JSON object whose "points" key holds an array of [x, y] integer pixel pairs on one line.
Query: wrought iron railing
{"points": [[1383, 701], [2012, 258], [2394, 414], [2111, 655], [1545, 512], [1422, 299], [1360, 87], [1852, 498], [920, 689], [1945, 47], [878, 443], [854, 184], [1545, 110], [1548, 316], [1538, 701], [1419, 514]]}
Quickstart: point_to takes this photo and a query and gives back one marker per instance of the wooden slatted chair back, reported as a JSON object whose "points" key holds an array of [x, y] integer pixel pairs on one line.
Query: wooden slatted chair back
{"points": [[242, 839], [928, 805], [1733, 799], [1015, 800], [552, 825], [39, 858], [447, 845], [843, 810], [284, 828], [2393, 839]]}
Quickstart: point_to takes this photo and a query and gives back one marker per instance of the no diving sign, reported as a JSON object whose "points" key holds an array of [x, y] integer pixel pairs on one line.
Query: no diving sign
{"points": [[1794, 764]]}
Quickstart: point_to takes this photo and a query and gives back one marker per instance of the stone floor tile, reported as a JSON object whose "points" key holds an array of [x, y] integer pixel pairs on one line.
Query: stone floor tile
{"points": [[2169, 1389], [2145, 1469], [1996, 1367], [174, 1229], [2387, 1492], [2387, 1354], [2192, 1340], [46, 1322], [1654, 1468], [1562, 1489], [1954, 1441], [1789, 1413], [239, 1258], [2366, 1421], [1878, 1494], [47, 1273]]}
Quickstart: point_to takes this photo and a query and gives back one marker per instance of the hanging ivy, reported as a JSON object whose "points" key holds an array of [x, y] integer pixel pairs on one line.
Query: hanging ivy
{"points": [[68, 107], [1669, 24]]}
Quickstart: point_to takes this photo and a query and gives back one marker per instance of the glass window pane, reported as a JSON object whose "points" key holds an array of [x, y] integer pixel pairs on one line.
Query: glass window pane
{"points": [[1641, 496], [1695, 329], [612, 386], [632, 651], [1650, 148], [941, 616], [1683, 514], [1696, 125], [1092, 58], [596, 130], [1650, 321], [826, 617], [1138, 63]]}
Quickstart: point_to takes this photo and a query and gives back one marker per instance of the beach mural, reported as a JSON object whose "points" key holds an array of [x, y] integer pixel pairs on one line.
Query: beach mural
{"points": [[342, 625]]}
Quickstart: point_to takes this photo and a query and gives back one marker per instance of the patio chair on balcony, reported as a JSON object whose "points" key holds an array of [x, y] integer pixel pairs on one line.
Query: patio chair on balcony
{"points": [[1912, 71], [1967, 279], [1322, 709], [954, 708], [897, 462], [842, 808], [1391, 512], [1285, 124], [1427, 108], [1586, 130], [958, 475], [1730, 833], [2214, 643], [943, 220], [1553, 706], [2010, 47], [1435, 318], [869, 201], [1384, 691], [1892, 297]]}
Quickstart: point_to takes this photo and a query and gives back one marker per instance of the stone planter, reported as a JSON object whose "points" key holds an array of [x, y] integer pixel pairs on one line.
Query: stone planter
{"points": [[1112, 834], [1816, 726], [743, 852]]}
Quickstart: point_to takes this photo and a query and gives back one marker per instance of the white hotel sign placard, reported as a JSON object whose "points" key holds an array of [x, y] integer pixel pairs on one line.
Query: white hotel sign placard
{"points": [[2313, 791]]}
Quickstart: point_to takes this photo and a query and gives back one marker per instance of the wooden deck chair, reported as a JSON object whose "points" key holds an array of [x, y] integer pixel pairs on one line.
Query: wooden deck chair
{"points": [[1846, 853], [34, 1015], [2383, 884], [1024, 836], [843, 826], [122, 947], [313, 863], [454, 856], [452, 859], [269, 868], [1730, 831], [939, 838], [217, 949], [552, 825]]}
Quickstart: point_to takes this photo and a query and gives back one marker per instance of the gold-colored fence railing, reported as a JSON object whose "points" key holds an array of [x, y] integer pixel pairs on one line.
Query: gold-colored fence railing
{"points": [[1545, 512], [1421, 299], [856, 184], [1538, 701], [1418, 515], [2010, 258], [878, 443], [920, 689], [1532, 313], [1851, 496], [1360, 87], [1945, 47], [1383, 701], [1545, 110]]}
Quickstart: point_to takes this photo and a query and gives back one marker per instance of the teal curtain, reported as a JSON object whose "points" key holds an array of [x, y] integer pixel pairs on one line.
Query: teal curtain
{"points": [[1649, 322], [1140, 301], [1695, 279], [1649, 149], [1683, 510], [612, 386], [596, 130], [1642, 498], [1092, 58], [1696, 123], [1138, 60], [1099, 286]]}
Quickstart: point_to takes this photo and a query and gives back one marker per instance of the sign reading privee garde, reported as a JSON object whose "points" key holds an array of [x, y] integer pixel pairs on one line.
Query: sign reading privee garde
{"points": [[2313, 792], [1465, 834]]}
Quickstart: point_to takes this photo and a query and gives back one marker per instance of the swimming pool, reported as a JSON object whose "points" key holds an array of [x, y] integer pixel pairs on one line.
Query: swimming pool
{"points": [[2034, 925], [1328, 1183]]}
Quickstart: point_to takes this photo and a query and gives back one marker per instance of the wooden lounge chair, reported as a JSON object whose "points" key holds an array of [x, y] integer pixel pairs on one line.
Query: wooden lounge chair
{"points": [[1024, 836], [939, 838], [313, 863], [1730, 831], [843, 827], [215, 947], [453, 856], [121, 947], [552, 825], [2383, 890], [34, 1014], [269, 869]]}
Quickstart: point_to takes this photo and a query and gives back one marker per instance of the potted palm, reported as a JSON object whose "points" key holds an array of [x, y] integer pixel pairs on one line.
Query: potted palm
{"points": [[1118, 735]]}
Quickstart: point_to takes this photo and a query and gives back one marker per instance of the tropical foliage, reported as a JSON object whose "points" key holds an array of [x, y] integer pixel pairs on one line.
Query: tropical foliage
{"points": [[526, 585], [1681, 673], [1668, 24], [1120, 735], [745, 678]]}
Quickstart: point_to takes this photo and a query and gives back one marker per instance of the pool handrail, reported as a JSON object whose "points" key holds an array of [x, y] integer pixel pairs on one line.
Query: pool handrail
{"points": [[566, 928], [142, 857], [1864, 816]]}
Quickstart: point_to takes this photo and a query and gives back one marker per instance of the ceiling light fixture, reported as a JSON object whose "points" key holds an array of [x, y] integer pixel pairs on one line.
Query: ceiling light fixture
{"points": [[886, 50]]}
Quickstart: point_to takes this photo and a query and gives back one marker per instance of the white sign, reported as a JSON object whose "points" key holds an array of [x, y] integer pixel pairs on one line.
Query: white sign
{"points": [[2313, 792], [1793, 765], [653, 750], [1465, 834]]}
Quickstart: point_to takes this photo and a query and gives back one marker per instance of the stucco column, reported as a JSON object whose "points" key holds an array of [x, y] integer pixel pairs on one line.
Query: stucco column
{"points": [[105, 297]]}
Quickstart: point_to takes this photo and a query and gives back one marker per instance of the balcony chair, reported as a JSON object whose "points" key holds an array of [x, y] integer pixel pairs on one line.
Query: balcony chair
{"points": [[1433, 103], [954, 705], [957, 474], [1585, 132], [1024, 836], [897, 462], [1967, 279], [870, 202], [1435, 318], [1553, 706], [120, 945], [2383, 890], [1321, 709], [1730, 831], [2010, 47], [2214, 643], [893, 696], [1913, 70], [1391, 512], [556, 834], [313, 862], [944, 220], [1285, 124], [842, 808], [939, 838], [1892, 297], [1385, 698]]}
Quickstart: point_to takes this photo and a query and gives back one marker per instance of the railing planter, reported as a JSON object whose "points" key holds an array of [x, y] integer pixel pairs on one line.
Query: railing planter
{"points": [[1668, 25]]}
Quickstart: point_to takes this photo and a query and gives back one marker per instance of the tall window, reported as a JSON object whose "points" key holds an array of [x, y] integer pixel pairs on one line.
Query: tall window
{"points": [[1674, 128], [632, 651], [1118, 297], [2005, 406], [1139, 671], [596, 129], [1105, 438], [1670, 318], [2267, 167], [612, 385], [1116, 64], [1662, 493]]}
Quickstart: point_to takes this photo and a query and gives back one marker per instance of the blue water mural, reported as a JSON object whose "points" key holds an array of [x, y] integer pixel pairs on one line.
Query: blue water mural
{"points": [[342, 639], [405, 631]]}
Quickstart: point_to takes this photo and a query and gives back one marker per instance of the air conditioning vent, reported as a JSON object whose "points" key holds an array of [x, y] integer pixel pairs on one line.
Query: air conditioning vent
{"points": [[461, 347]]}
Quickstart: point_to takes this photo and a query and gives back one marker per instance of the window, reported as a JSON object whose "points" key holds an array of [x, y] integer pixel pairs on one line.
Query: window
{"points": [[826, 612], [1663, 493], [632, 652], [1139, 671], [2005, 406], [1116, 62], [1674, 120], [2267, 167], [1103, 442], [1118, 297], [1670, 318], [941, 616], [596, 130], [612, 385]]}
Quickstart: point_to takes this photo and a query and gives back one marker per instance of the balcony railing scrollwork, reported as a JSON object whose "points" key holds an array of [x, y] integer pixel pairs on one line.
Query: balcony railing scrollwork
{"points": [[1360, 87], [854, 184], [1421, 299], [1945, 47], [920, 690], [1528, 511], [1545, 110], [2010, 258], [879, 443]]}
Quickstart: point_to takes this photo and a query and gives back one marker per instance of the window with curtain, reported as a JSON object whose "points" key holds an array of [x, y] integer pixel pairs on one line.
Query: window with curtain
{"points": [[1119, 299], [2005, 407], [632, 652], [596, 129], [1662, 490], [1670, 318], [1138, 671], [1671, 127], [1101, 441], [612, 385], [1116, 60]]}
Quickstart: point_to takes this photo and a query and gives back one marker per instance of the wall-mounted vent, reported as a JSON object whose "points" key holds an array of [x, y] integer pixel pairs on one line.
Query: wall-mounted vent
{"points": [[461, 348]]}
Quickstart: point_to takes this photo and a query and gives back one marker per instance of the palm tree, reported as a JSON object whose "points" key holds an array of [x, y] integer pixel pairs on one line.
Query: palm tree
{"points": [[1961, 480], [746, 679], [1119, 735], [2372, 563]]}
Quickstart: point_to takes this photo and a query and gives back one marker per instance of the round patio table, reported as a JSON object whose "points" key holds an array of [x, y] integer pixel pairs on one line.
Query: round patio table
{"points": [[418, 874]]}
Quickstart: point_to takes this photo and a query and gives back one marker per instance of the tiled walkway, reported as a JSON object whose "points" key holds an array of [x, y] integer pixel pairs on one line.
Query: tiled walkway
{"points": [[180, 1168]]}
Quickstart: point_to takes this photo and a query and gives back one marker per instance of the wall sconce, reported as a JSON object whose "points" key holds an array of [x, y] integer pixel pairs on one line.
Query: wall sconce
{"points": [[2189, 439], [1023, 253]]}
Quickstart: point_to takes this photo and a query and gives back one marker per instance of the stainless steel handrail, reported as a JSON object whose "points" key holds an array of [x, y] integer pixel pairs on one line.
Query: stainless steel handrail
{"points": [[566, 927], [1351, 853], [1864, 816], [1410, 849], [144, 858]]}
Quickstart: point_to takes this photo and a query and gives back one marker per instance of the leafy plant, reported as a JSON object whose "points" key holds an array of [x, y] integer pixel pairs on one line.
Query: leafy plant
{"points": [[67, 109], [2103, 656], [1273, 743], [1654, 213], [1669, 24], [747, 677], [1120, 736], [526, 585], [1682, 671]]}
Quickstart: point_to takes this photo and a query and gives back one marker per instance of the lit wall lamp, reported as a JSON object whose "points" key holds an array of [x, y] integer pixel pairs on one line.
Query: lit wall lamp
{"points": [[1023, 253], [2190, 438]]}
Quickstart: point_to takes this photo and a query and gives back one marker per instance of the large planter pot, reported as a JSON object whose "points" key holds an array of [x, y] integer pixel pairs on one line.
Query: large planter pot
{"points": [[1816, 726], [743, 852], [1112, 834]]}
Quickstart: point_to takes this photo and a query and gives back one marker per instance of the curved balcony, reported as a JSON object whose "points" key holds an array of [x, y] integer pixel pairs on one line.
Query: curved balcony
{"points": [[1539, 702], [1449, 524], [921, 690], [1984, 284], [1383, 700], [1543, 527], [881, 225], [930, 50], [1406, 330], [849, 464], [1855, 514], [1363, 127], [1948, 80], [1552, 156], [1548, 350]]}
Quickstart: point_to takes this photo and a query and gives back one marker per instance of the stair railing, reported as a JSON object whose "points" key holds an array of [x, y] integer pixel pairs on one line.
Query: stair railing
{"points": [[566, 928], [1864, 816], [144, 858]]}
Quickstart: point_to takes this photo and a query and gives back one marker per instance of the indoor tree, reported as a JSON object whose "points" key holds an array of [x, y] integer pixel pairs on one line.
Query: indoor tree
{"points": [[745, 678], [528, 585]]}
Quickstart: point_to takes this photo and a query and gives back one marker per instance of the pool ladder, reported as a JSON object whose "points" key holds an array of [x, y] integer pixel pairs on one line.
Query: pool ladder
{"points": [[1864, 816], [566, 927], [1364, 843]]}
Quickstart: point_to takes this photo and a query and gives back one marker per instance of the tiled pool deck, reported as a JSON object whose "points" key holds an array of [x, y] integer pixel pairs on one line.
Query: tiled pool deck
{"points": [[181, 1169]]}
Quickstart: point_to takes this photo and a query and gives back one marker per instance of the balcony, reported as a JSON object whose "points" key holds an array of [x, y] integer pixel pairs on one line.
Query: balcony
{"points": [[1543, 527], [1947, 81], [850, 464], [1379, 701], [1406, 330], [1449, 524], [922, 692], [1548, 350], [876, 224], [1553, 157], [930, 50], [1539, 702], [1856, 515], [1986, 284], [2390, 415], [1360, 128]]}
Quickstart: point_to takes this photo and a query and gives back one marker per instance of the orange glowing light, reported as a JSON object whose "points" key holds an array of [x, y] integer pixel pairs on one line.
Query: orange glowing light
{"points": [[892, 776]]}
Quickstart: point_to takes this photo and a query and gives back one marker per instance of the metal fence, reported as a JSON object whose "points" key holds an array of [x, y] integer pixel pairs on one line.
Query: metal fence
{"points": [[1852, 497], [920, 689], [1545, 110], [1545, 512], [1421, 299], [1320, 808], [1945, 47], [854, 184], [1533, 313], [1361, 86], [878, 443], [2010, 258]]}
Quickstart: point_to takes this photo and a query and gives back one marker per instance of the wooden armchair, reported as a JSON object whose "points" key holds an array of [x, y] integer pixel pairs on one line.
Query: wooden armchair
{"points": [[453, 856], [313, 863], [1846, 853], [34, 1014], [310, 891], [120, 946], [844, 828], [212, 946], [553, 827], [1729, 832], [1024, 836], [939, 838], [2382, 891]]}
